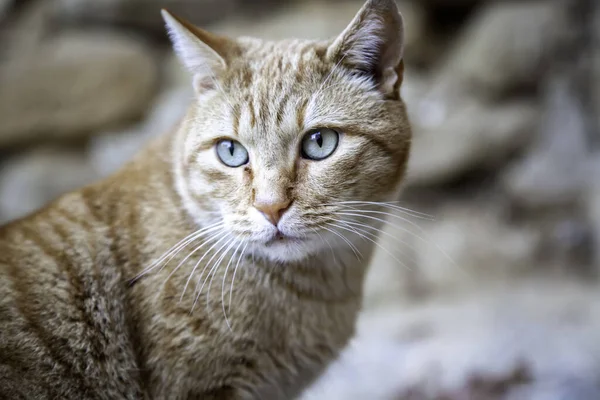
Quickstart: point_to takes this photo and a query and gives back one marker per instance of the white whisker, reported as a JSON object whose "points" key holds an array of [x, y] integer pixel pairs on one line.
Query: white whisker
{"points": [[217, 264], [172, 252], [328, 77], [372, 241], [381, 231], [326, 241], [407, 211], [198, 292], [206, 241], [221, 235], [233, 279], [360, 213], [356, 252], [223, 283]]}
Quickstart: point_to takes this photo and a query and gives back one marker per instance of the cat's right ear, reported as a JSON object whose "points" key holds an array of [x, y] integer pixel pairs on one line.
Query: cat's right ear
{"points": [[372, 45], [202, 53]]}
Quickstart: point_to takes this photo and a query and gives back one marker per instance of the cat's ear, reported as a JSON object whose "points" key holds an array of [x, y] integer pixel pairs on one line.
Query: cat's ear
{"points": [[373, 44], [202, 53]]}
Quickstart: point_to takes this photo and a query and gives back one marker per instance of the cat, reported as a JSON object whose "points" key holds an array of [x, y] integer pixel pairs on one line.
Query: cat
{"points": [[226, 260]]}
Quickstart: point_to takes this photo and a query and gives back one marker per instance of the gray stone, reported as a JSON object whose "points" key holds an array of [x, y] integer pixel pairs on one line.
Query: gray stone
{"points": [[75, 84], [465, 245], [30, 180], [143, 14], [317, 20], [22, 33], [5, 5], [304, 19], [453, 136], [556, 169], [110, 150], [505, 46], [435, 348], [593, 207]]}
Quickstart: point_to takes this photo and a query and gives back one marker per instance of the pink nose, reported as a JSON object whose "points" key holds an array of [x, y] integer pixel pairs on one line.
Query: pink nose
{"points": [[273, 211]]}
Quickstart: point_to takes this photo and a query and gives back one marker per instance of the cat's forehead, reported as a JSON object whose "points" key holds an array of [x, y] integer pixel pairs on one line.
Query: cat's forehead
{"points": [[288, 61], [272, 84]]}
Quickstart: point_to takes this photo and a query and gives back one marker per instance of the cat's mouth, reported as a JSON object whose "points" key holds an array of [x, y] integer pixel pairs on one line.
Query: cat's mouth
{"points": [[280, 237]]}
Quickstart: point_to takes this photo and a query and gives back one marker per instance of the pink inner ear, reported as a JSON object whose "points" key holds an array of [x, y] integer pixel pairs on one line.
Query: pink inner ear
{"points": [[203, 83]]}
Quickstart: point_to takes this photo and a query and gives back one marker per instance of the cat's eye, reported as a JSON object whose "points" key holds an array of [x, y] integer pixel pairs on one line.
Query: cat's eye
{"points": [[319, 144], [232, 153]]}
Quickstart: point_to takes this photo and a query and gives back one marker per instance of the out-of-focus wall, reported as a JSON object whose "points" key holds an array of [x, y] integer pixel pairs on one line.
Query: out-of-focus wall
{"points": [[497, 297]]}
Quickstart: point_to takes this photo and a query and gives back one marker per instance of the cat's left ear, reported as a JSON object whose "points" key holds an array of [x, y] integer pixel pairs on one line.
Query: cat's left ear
{"points": [[204, 54], [373, 45]]}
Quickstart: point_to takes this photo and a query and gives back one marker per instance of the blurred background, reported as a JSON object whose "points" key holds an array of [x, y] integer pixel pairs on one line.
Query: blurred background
{"points": [[497, 295]]}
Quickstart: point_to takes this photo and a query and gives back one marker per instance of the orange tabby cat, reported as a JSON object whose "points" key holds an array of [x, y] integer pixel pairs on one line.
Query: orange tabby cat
{"points": [[226, 260]]}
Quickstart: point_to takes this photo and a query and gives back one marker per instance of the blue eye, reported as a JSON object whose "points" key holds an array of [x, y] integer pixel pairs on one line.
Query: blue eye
{"points": [[319, 144], [232, 153]]}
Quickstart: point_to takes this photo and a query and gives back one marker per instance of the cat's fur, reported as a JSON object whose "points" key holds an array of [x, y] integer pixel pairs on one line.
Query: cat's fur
{"points": [[74, 324]]}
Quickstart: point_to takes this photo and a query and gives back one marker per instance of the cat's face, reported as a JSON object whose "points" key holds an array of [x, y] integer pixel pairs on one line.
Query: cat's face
{"points": [[282, 133]]}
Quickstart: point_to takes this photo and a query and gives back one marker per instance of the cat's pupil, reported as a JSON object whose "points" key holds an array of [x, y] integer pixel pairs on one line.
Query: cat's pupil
{"points": [[318, 138], [231, 148]]}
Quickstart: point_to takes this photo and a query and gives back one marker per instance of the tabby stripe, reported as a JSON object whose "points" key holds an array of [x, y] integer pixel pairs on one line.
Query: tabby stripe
{"points": [[282, 106], [22, 299]]}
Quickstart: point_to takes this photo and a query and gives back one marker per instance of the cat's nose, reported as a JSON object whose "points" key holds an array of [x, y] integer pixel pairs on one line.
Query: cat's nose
{"points": [[273, 210]]}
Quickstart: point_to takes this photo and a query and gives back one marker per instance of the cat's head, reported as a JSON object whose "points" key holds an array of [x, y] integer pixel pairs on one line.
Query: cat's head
{"points": [[283, 135]]}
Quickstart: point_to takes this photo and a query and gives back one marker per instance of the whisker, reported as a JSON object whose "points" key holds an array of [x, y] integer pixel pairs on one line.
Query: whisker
{"points": [[326, 241], [383, 232], [234, 272], [376, 237], [207, 240], [404, 210], [223, 283], [205, 268], [356, 252], [217, 264], [361, 213], [372, 241], [212, 231], [221, 235], [328, 77], [172, 252], [181, 243]]}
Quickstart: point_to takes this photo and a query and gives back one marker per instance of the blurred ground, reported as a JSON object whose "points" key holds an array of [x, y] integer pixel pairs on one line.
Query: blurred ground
{"points": [[497, 297]]}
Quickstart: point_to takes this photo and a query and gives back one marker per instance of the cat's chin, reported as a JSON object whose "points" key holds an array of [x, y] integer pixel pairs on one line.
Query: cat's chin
{"points": [[287, 249]]}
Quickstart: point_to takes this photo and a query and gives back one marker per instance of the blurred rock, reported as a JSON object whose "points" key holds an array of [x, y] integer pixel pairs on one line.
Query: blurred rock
{"points": [[76, 83], [142, 14], [314, 19], [556, 169], [21, 34], [526, 335], [454, 136], [505, 46], [567, 388], [567, 244], [450, 3], [304, 19], [593, 208], [467, 244], [5, 5], [30, 180], [109, 151]]}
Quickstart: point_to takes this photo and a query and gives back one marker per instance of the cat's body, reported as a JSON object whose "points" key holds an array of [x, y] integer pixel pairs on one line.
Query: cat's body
{"points": [[256, 304], [69, 311]]}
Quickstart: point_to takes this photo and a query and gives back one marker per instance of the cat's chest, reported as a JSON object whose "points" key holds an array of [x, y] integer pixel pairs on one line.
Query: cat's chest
{"points": [[268, 350]]}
